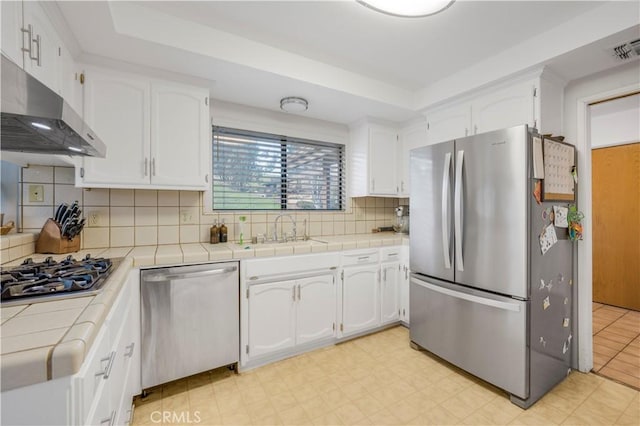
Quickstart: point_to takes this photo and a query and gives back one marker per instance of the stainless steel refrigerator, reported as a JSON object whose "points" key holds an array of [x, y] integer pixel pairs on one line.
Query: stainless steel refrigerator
{"points": [[483, 296]]}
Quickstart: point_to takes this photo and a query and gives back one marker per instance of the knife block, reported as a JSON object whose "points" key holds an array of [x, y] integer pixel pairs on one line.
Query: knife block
{"points": [[51, 240]]}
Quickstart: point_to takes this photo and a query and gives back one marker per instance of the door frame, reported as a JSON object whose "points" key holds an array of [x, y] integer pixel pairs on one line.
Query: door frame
{"points": [[585, 247]]}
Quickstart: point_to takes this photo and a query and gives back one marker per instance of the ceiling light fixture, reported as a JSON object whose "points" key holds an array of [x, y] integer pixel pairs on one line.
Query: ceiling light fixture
{"points": [[294, 104], [407, 8]]}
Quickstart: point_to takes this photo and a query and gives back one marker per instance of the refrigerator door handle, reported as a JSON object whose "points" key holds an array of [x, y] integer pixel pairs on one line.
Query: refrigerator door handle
{"points": [[515, 307], [457, 210], [446, 183]]}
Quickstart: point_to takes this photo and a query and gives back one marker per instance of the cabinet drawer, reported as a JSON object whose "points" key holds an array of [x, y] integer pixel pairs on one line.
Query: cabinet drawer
{"points": [[391, 254], [258, 269], [101, 412], [91, 376], [360, 257]]}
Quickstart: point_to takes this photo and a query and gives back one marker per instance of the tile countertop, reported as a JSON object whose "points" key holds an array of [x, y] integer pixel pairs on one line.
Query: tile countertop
{"points": [[48, 340]]}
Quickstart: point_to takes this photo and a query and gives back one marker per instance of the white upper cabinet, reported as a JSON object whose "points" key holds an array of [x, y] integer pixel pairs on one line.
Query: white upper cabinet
{"points": [[30, 40], [411, 137], [117, 109], [43, 59], [373, 160], [506, 107], [534, 99], [448, 123], [70, 84], [12, 35], [157, 133], [180, 133]]}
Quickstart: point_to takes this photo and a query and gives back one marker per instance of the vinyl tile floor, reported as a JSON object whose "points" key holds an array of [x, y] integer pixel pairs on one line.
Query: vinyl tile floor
{"points": [[376, 380], [616, 344]]}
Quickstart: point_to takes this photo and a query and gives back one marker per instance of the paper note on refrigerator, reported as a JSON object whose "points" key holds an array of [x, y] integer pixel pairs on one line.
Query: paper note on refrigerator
{"points": [[548, 238], [560, 216], [538, 159]]}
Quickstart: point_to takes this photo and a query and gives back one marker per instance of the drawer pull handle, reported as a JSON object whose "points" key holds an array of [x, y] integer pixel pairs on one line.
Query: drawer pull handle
{"points": [[129, 348], [363, 258], [109, 420], [105, 373]]}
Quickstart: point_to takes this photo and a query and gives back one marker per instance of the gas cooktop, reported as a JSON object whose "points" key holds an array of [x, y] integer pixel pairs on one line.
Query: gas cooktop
{"points": [[33, 282]]}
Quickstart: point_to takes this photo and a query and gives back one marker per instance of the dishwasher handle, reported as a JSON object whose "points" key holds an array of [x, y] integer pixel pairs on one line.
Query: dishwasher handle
{"points": [[198, 274]]}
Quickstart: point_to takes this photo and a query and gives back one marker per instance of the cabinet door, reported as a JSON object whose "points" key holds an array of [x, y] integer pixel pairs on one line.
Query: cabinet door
{"points": [[508, 107], [271, 317], [117, 108], [12, 35], [360, 299], [181, 135], [389, 292], [316, 311], [448, 123], [404, 294], [382, 162], [46, 46], [412, 137], [70, 87]]}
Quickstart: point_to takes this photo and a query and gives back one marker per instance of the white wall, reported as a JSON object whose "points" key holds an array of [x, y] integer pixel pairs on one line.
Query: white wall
{"points": [[261, 120], [9, 192], [578, 95], [615, 122]]}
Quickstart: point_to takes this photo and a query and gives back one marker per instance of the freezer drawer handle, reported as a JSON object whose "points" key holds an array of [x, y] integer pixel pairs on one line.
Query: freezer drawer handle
{"points": [[458, 207], [445, 210], [166, 277], [471, 298]]}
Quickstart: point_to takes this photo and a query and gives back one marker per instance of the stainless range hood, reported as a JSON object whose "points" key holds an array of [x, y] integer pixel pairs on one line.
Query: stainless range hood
{"points": [[36, 119]]}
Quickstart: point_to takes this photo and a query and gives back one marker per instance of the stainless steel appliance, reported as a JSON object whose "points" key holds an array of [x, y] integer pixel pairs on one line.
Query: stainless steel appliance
{"points": [[36, 119], [33, 282], [190, 320], [483, 296]]}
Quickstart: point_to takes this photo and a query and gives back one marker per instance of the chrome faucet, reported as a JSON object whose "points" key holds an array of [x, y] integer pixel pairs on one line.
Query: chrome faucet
{"points": [[275, 227]]}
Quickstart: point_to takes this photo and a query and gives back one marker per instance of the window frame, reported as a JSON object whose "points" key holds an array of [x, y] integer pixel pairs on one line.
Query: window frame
{"points": [[343, 198]]}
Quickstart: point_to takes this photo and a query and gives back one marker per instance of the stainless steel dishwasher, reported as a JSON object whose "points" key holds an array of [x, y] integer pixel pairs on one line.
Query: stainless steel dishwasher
{"points": [[190, 320]]}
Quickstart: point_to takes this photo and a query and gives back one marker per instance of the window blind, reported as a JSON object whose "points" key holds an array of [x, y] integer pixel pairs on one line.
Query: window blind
{"points": [[261, 171]]}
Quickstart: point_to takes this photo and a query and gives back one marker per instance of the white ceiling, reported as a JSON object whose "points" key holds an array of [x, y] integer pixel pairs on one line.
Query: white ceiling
{"points": [[349, 61], [409, 53]]}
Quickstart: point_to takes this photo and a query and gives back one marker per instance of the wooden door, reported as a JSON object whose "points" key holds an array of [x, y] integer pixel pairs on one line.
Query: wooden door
{"points": [[616, 225]]}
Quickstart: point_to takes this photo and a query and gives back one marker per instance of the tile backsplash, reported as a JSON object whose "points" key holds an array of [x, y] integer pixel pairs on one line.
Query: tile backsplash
{"points": [[128, 217]]}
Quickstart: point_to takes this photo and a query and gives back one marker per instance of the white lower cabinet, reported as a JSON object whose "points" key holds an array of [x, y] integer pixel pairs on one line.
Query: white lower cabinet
{"points": [[288, 313], [404, 294], [106, 382], [389, 292], [271, 317], [316, 310], [360, 298]]}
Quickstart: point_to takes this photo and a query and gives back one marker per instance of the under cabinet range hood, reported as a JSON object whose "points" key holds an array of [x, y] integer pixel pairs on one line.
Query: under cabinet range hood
{"points": [[36, 119]]}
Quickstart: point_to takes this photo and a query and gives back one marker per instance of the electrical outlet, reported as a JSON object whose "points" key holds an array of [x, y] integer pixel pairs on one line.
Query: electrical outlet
{"points": [[36, 193], [94, 219], [185, 216]]}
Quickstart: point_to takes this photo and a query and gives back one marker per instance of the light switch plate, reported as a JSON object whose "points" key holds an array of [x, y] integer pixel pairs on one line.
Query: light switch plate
{"points": [[36, 193]]}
